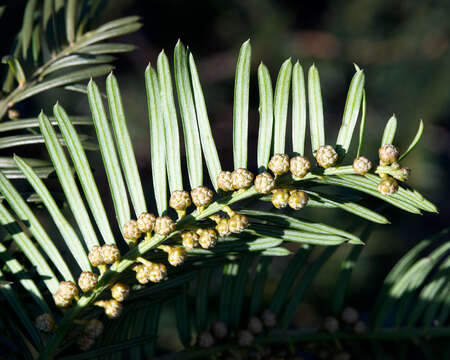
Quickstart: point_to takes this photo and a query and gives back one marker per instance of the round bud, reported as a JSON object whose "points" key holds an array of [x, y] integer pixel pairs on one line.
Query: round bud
{"points": [[224, 181], [68, 290], [142, 277], [201, 196], [388, 154], [85, 343], [350, 315], [45, 323], [87, 281], [205, 340], [280, 198], [331, 324], [158, 272], [120, 291], [113, 308], [111, 253], [298, 199], [264, 183], [279, 164], [176, 256], [131, 231], [326, 156], [255, 325], [360, 328], [60, 300], [142, 274], [245, 338], [237, 223], [388, 186], [189, 239], [164, 225], [93, 328], [146, 222], [362, 165], [269, 318], [222, 228], [241, 179], [219, 330], [180, 200], [207, 238], [299, 166], [96, 256]]}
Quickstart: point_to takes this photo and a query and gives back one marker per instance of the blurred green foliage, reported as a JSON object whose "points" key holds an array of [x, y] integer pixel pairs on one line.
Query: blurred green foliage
{"points": [[403, 48]]}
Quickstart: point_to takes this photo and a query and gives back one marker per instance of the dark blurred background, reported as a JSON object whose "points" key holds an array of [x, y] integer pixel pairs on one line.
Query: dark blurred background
{"points": [[403, 48]]}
